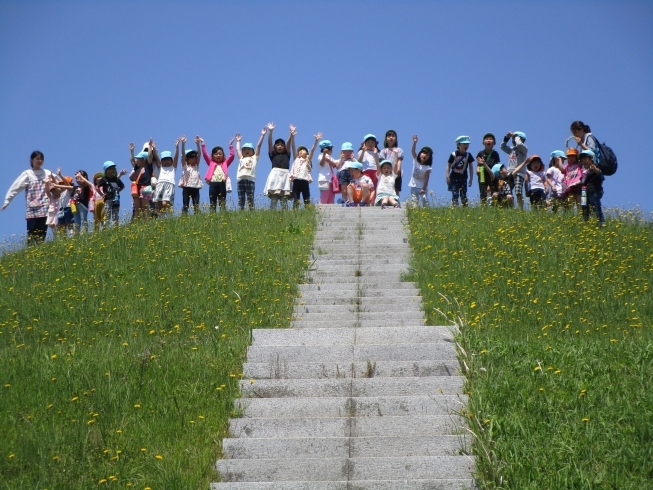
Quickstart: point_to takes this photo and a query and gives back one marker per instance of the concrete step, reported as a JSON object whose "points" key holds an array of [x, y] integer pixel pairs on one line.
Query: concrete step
{"points": [[432, 484], [359, 369], [347, 296], [379, 288], [352, 261], [334, 407], [379, 306]]}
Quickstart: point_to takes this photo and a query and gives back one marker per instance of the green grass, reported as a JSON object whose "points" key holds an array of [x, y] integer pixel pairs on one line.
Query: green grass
{"points": [[556, 341], [121, 352]]}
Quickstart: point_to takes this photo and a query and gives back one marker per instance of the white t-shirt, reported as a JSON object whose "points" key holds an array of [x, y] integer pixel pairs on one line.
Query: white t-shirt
{"points": [[369, 163], [190, 177], [418, 174], [247, 168], [167, 174], [324, 172], [557, 180], [536, 179], [301, 169], [386, 184], [388, 154]]}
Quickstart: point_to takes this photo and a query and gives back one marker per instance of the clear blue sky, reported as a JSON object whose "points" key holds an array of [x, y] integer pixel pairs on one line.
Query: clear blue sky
{"points": [[79, 80]]}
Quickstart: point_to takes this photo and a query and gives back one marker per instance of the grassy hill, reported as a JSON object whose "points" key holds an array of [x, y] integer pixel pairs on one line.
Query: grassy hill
{"points": [[120, 352], [556, 340]]}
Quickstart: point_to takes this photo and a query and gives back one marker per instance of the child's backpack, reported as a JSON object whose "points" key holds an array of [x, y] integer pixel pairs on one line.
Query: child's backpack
{"points": [[606, 160]]}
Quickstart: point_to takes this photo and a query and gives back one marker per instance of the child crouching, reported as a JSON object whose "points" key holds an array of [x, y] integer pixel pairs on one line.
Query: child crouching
{"points": [[361, 190]]}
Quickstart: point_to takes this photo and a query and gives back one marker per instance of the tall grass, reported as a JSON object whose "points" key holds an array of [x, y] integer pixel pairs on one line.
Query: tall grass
{"points": [[556, 340], [120, 351]]}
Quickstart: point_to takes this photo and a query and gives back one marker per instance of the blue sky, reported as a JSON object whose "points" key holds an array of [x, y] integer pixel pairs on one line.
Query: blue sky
{"points": [[79, 80]]}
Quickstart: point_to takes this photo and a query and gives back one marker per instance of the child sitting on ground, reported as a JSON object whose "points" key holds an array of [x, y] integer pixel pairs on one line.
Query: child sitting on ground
{"points": [[346, 159], [385, 187], [361, 190], [501, 185]]}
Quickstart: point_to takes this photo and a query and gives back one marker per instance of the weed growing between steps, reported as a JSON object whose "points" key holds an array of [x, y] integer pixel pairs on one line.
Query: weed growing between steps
{"points": [[121, 352], [556, 329]]}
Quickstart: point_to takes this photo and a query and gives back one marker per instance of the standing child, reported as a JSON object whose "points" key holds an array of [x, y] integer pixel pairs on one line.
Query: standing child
{"points": [[592, 187], [326, 173], [574, 175], [486, 158], [368, 155], [518, 153], [419, 178], [385, 188], [111, 186], [536, 182], [278, 186], [82, 193], [53, 194], [457, 166], [65, 217], [361, 189], [388, 153], [97, 202], [190, 181], [556, 180], [346, 160], [164, 194], [141, 177], [503, 183], [300, 174], [246, 177], [218, 174]]}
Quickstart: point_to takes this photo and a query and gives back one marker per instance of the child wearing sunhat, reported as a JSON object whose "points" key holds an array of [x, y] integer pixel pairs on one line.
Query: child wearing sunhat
{"points": [[300, 173], [419, 177], [246, 176], [556, 180], [278, 186], [368, 155], [191, 181], [361, 189], [593, 183], [111, 185], [385, 187], [457, 166], [502, 184], [164, 194], [346, 159], [574, 174], [490, 157], [327, 170], [536, 182], [518, 153], [390, 149]]}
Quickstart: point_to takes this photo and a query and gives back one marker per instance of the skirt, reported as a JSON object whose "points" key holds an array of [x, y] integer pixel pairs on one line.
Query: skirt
{"points": [[278, 183]]}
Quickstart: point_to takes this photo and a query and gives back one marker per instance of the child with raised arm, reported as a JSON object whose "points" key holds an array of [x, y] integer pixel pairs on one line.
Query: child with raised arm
{"points": [[389, 146], [111, 186], [300, 174], [164, 194], [385, 187], [218, 174], [278, 185], [419, 178], [190, 181], [457, 165], [141, 176], [518, 154], [502, 184], [328, 169], [368, 155], [82, 193], [246, 177]]}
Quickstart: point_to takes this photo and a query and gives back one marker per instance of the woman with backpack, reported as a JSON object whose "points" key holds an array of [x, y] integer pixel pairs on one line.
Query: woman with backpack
{"points": [[583, 136]]}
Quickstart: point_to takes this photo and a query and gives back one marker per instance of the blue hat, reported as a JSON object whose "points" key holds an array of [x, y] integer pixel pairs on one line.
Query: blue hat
{"points": [[369, 137], [590, 153], [166, 154], [248, 145], [520, 134], [357, 165], [142, 155], [108, 165], [188, 152], [558, 153], [383, 162], [463, 140], [347, 147], [496, 169], [325, 144]]}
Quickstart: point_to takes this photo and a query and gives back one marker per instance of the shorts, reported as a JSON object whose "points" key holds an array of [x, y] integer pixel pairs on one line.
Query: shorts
{"points": [[165, 191], [344, 177], [144, 195], [67, 218]]}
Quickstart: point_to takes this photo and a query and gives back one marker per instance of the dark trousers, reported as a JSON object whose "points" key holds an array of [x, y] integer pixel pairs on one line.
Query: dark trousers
{"points": [[246, 190], [218, 194], [538, 199], [594, 204], [36, 230], [187, 194], [458, 189], [301, 187]]}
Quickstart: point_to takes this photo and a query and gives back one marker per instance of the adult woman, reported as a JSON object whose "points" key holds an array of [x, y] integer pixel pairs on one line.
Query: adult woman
{"points": [[33, 181], [583, 135]]}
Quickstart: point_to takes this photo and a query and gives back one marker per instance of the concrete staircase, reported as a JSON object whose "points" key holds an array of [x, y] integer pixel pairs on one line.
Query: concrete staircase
{"points": [[358, 393]]}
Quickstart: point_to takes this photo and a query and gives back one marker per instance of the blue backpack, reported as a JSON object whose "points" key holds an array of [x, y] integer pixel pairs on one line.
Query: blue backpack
{"points": [[606, 160]]}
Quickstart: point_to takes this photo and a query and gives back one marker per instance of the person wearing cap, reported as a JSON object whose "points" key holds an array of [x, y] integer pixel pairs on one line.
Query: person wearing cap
{"points": [[385, 187], [141, 178], [502, 184], [518, 153], [419, 177], [593, 185], [164, 193], [556, 180], [217, 175], [111, 185], [346, 159], [300, 173], [327, 173], [487, 157], [574, 174], [33, 182], [278, 186], [361, 189], [536, 183], [191, 181], [368, 155], [456, 176], [390, 144], [246, 176]]}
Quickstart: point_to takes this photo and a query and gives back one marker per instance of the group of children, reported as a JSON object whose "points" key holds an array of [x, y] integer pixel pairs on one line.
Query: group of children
{"points": [[369, 176]]}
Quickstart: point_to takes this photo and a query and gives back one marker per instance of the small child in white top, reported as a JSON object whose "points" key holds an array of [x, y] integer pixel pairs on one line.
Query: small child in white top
{"points": [[385, 187], [300, 173], [361, 190], [164, 194], [191, 180], [246, 176], [419, 178], [326, 173]]}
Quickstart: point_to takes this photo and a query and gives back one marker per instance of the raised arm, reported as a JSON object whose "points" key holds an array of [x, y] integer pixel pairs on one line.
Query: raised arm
{"points": [[205, 153], [413, 148], [238, 138], [176, 157], [396, 166], [521, 165], [230, 158], [198, 142], [260, 141], [150, 151], [183, 150], [291, 141], [270, 127], [131, 152], [318, 137], [85, 182]]}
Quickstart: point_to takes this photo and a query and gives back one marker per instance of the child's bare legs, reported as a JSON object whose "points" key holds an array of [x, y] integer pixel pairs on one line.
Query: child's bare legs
{"points": [[141, 207], [348, 190], [365, 194], [274, 202]]}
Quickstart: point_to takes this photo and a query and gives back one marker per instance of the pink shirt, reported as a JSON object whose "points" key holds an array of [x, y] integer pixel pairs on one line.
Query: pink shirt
{"points": [[225, 163]]}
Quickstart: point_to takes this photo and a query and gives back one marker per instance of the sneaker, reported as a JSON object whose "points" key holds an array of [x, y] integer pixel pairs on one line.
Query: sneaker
{"points": [[350, 204], [383, 206], [397, 206], [362, 204]]}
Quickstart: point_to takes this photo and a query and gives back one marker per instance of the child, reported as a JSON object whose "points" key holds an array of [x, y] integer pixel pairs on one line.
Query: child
{"points": [[518, 154], [278, 186], [325, 179], [164, 193], [111, 186], [190, 181], [97, 202], [246, 176], [574, 174], [593, 186], [490, 157], [346, 159], [361, 190], [536, 182], [82, 193], [503, 183], [300, 174], [385, 188], [419, 179], [54, 195], [368, 155], [141, 176], [389, 145], [65, 217], [218, 174], [457, 165], [556, 180]]}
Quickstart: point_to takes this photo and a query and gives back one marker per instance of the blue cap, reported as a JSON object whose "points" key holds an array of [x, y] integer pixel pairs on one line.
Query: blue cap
{"points": [[142, 155], [589, 153], [558, 153], [369, 137], [496, 169], [520, 134], [347, 147], [166, 154], [463, 140], [357, 165], [191, 151], [248, 145], [325, 144], [383, 162], [108, 165]]}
